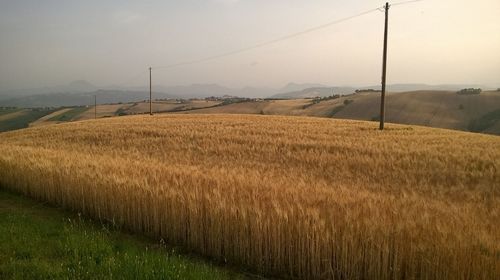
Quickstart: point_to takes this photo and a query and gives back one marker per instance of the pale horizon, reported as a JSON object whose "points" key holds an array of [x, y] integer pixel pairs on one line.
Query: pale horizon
{"points": [[113, 43]]}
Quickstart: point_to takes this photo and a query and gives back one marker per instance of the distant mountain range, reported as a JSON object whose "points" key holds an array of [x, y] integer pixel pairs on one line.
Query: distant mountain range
{"points": [[79, 86], [81, 92], [79, 99], [293, 87]]}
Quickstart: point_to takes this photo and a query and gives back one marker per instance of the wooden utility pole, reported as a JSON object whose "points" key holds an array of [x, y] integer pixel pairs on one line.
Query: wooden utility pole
{"points": [[95, 106], [384, 69], [150, 94]]}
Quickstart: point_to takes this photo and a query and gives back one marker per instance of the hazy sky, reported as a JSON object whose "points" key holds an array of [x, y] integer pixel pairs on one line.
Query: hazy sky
{"points": [[45, 43]]}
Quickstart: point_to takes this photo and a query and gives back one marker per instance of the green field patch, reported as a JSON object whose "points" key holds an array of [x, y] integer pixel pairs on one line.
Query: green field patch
{"points": [[69, 115], [5, 111], [336, 110], [23, 119], [485, 121]]}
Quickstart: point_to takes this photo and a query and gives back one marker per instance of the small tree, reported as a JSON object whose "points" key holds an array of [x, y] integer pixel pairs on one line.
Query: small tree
{"points": [[469, 91], [348, 101]]}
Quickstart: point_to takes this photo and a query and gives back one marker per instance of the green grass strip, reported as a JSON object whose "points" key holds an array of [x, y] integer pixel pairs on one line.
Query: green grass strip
{"points": [[41, 242]]}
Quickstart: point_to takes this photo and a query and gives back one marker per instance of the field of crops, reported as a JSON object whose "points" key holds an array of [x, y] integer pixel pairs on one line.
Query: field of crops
{"points": [[296, 197]]}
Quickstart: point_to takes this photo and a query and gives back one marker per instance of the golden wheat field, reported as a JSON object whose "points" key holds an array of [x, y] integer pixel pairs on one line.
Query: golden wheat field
{"points": [[294, 197]]}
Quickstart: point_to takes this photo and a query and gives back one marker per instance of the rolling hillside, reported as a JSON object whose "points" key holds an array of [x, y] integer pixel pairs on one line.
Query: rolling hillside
{"points": [[65, 99], [16, 118], [435, 109], [12, 119], [442, 109], [296, 197], [169, 106], [262, 107]]}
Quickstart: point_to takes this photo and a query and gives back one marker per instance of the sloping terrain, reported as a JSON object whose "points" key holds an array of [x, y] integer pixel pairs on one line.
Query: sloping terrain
{"points": [[263, 107], [13, 119], [435, 109], [310, 90], [314, 92], [67, 99], [441, 109], [49, 119], [170, 106], [103, 111], [298, 197], [16, 118]]}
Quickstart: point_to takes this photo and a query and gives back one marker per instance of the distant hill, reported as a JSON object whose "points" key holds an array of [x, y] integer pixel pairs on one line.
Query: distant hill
{"points": [[197, 90], [79, 86], [315, 92], [80, 99], [78, 92], [442, 87], [208, 90], [443, 109], [322, 91], [293, 87]]}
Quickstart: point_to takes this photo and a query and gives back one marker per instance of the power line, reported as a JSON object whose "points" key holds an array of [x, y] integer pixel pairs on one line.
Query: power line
{"points": [[283, 38], [259, 45]]}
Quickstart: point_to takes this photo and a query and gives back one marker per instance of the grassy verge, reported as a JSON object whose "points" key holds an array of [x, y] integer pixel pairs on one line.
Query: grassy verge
{"points": [[40, 242]]}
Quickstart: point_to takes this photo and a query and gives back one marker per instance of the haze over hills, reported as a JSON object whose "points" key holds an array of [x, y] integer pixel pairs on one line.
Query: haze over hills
{"points": [[292, 87], [314, 92], [80, 98], [323, 91], [81, 92], [443, 109], [79, 86]]}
